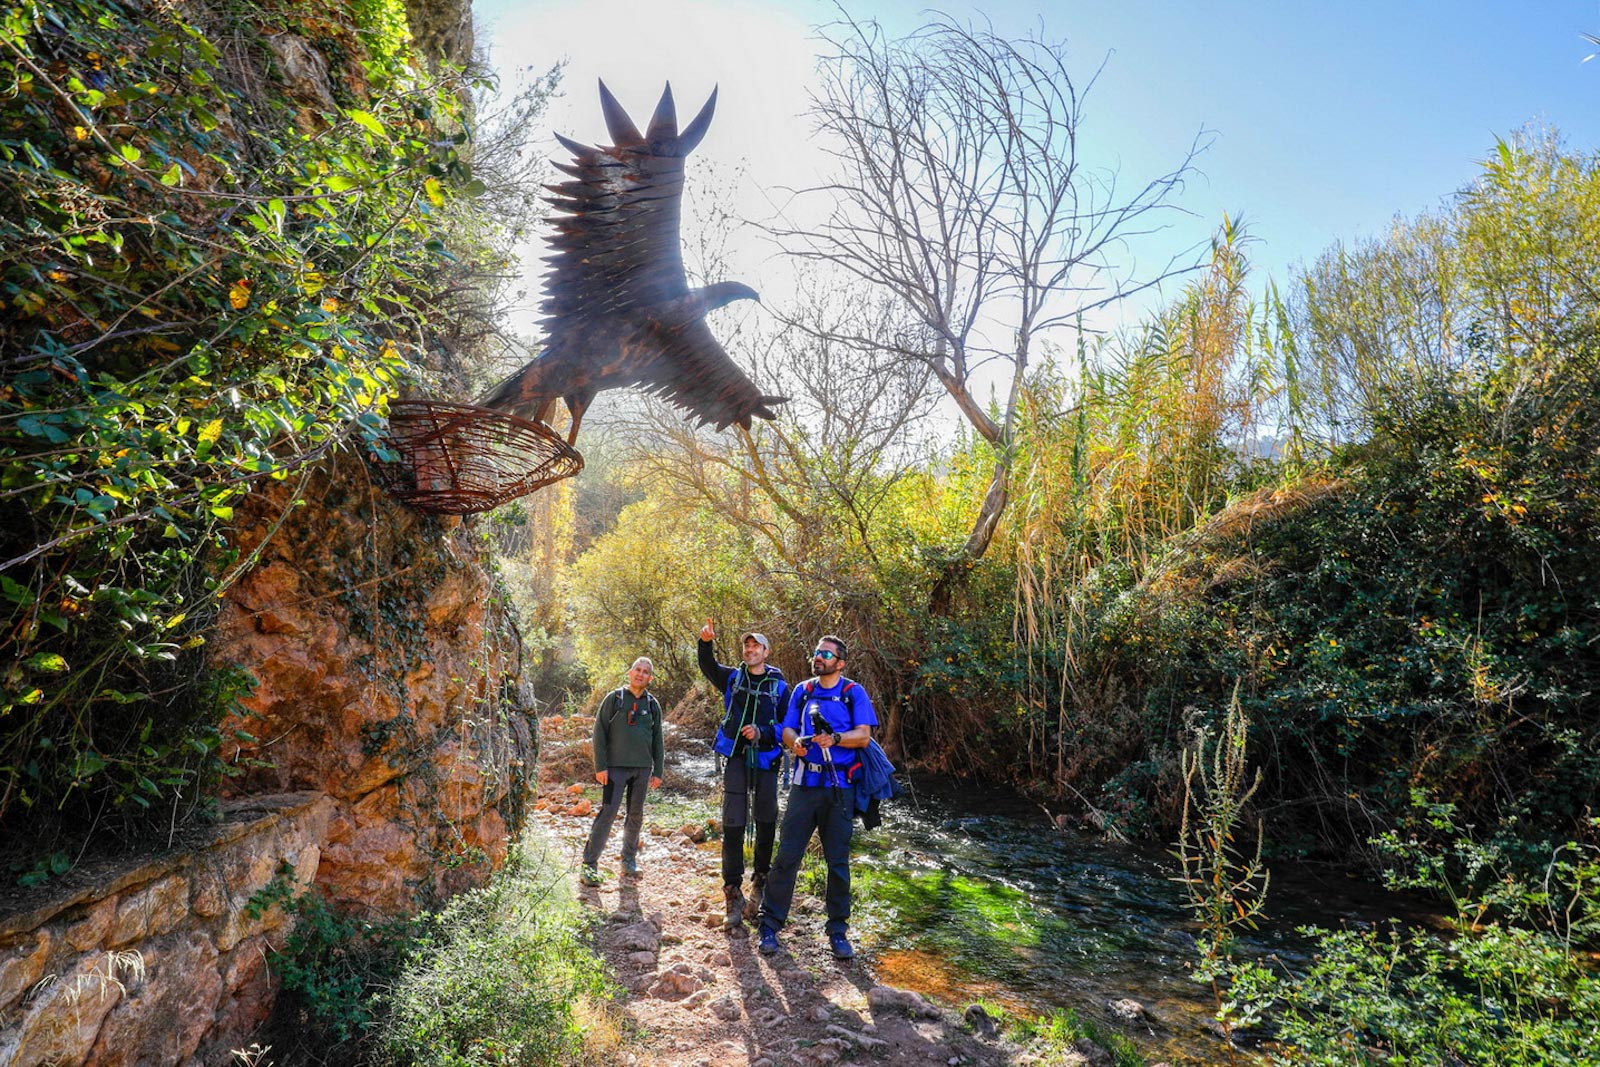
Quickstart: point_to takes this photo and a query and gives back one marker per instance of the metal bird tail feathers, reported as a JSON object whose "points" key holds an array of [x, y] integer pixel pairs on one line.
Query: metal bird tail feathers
{"points": [[618, 309]]}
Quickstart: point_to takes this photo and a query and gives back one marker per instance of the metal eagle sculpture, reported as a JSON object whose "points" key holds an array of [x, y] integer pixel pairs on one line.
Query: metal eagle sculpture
{"points": [[618, 309]]}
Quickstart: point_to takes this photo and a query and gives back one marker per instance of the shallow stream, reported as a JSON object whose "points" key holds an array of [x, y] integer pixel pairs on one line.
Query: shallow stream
{"points": [[970, 893]]}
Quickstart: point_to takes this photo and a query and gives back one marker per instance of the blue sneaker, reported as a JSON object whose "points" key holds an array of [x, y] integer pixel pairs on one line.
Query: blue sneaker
{"points": [[841, 946], [769, 941]]}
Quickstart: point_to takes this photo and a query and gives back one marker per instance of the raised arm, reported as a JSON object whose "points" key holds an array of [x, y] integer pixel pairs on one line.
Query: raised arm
{"points": [[705, 652]]}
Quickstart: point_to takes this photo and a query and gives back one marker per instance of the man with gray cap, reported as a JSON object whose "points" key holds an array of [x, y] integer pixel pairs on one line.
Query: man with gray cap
{"points": [[752, 698]]}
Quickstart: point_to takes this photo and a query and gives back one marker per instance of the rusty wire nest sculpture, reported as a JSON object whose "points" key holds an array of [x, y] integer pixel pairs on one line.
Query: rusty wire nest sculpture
{"points": [[459, 459]]}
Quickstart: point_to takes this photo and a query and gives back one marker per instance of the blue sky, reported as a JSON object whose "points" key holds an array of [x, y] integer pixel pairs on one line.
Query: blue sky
{"points": [[1329, 119]]}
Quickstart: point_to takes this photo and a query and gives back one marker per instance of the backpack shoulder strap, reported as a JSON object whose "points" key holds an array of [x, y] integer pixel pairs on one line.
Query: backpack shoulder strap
{"points": [[616, 706]]}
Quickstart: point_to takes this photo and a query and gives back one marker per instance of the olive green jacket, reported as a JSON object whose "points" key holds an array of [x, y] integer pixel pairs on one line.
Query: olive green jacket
{"points": [[620, 743]]}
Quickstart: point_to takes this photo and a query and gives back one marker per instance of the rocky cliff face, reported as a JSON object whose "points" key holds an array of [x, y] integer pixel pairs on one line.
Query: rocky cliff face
{"points": [[388, 679]]}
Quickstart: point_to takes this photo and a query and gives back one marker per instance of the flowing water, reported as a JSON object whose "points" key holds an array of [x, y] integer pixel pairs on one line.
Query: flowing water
{"points": [[975, 895], [969, 893]]}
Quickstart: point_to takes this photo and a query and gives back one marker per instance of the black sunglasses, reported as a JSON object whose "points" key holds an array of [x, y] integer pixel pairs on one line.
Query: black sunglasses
{"points": [[823, 653]]}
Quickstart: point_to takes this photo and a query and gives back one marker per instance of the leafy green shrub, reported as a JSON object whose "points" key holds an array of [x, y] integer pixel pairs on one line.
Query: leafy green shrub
{"points": [[498, 976], [202, 287], [332, 966], [1506, 984]]}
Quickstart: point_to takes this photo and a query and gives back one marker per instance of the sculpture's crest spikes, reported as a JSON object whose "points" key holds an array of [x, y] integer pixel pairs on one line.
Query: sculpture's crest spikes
{"points": [[624, 134], [692, 133], [583, 153], [663, 131]]}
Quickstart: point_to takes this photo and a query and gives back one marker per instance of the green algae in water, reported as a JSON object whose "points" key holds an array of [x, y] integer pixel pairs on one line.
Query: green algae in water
{"points": [[990, 931]]}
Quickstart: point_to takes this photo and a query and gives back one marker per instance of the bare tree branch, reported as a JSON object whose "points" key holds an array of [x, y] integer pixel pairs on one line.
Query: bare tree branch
{"points": [[962, 195]]}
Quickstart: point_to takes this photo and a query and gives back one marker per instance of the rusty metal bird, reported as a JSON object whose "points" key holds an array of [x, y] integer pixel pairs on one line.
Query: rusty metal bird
{"points": [[618, 308]]}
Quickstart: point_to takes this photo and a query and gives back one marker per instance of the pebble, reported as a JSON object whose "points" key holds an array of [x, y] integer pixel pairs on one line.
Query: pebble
{"points": [[646, 960], [725, 1007], [819, 1014], [981, 1021], [1126, 1010]]}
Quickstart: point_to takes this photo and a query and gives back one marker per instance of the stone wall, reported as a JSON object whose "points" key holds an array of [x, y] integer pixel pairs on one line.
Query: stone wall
{"points": [[158, 960]]}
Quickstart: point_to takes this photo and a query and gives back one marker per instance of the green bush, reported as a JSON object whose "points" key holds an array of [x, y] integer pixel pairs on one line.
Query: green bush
{"points": [[202, 287], [497, 977], [1426, 619], [1506, 984], [331, 967]]}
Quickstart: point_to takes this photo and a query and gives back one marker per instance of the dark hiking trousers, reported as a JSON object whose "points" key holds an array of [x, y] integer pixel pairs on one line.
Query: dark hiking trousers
{"points": [[742, 784], [830, 813], [635, 783]]}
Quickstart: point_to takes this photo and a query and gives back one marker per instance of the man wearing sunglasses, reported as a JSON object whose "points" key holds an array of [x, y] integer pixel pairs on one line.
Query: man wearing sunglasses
{"points": [[752, 703], [629, 749], [828, 722]]}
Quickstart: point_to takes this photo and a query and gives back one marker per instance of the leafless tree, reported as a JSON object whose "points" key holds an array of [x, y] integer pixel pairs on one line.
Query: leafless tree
{"points": [[961, 192], [831, 458]]}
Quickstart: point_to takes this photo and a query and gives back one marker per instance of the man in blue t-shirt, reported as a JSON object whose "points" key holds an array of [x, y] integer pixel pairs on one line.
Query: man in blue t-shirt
{"points": [[828, 721]]}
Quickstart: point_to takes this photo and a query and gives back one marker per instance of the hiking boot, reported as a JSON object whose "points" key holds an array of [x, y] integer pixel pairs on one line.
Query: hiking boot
{"points": [[734, 901], [588, 875], [630, 866], [752, 903], [840, 944], [769, 941]]}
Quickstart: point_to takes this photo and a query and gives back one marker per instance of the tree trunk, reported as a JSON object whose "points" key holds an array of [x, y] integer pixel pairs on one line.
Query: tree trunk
{"points": [[955, 572]]}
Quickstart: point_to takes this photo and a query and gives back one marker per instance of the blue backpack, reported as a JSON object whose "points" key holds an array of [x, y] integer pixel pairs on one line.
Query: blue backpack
{"points": [[724, 743], [874, 782]]}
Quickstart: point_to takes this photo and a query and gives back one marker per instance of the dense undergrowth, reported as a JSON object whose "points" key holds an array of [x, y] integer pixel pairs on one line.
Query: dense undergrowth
{"points": [[208, 280], [1368, 498], [503, 974]]}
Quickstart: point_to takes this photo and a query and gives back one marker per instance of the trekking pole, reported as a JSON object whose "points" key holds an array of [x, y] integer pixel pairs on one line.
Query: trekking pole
{"points": [[819, 725]]}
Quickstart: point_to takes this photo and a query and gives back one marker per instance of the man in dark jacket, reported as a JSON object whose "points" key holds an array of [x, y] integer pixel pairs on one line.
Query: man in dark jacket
{"points": [[747, 738], [628, 746]]}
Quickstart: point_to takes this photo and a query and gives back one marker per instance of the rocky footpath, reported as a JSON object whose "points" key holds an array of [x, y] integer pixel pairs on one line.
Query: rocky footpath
{"points": [[699, 996]]}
